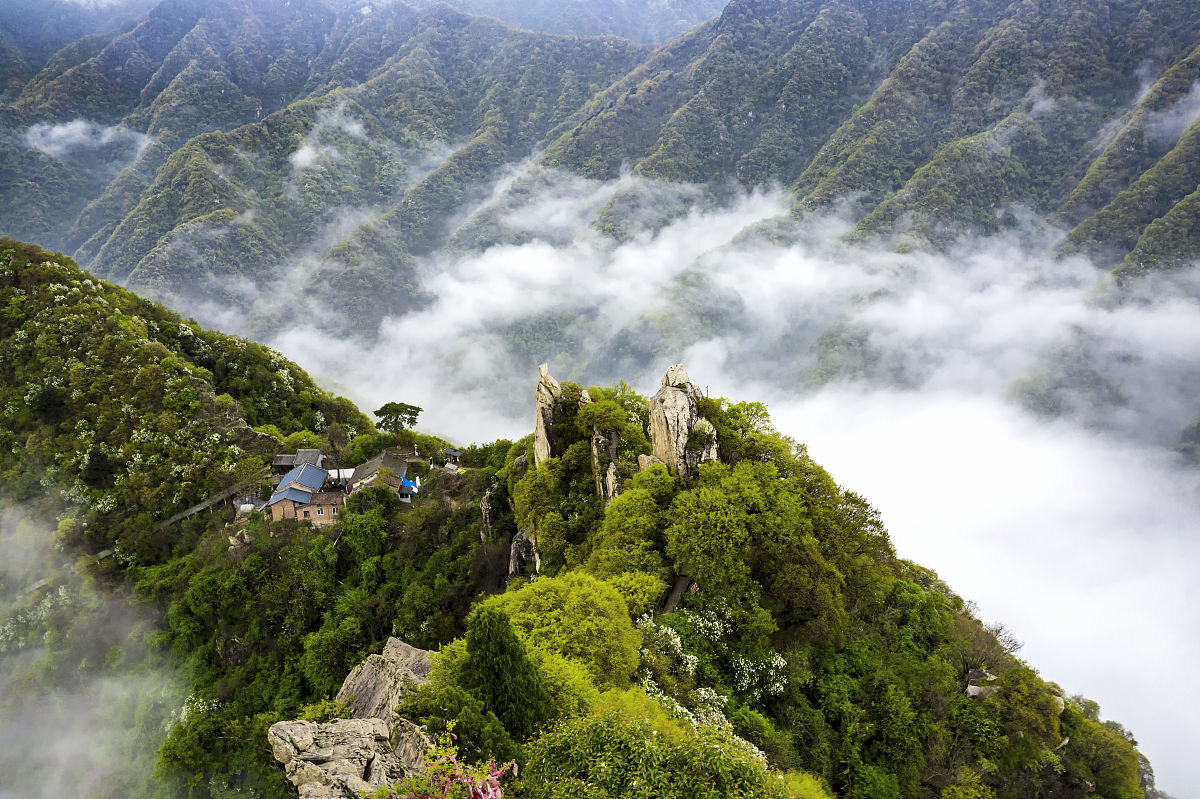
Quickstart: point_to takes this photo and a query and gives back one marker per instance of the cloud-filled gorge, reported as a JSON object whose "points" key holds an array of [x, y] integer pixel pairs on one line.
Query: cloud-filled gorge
{"points": [[1015, 424]]}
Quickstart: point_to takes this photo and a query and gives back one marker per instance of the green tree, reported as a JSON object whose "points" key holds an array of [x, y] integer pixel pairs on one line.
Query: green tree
{"points": [[497, 670], [396, 417]]}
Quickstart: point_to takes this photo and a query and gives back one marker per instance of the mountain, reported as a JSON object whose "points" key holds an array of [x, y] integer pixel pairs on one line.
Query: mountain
{"points": [[190, 149], [781, 645]]}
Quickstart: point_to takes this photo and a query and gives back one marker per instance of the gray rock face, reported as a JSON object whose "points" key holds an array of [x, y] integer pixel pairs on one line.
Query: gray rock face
{"points": [[546, 397], [375, 686], [976, 676], [646, 461], [674, 413], [342, 758], [522, 552], [338, 759]]}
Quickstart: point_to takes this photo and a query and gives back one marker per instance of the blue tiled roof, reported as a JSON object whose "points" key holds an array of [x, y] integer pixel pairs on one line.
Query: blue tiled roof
{"points": [[295, 494], [306, 475]]}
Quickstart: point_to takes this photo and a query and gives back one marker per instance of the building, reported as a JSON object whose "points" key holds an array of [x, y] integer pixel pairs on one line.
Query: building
{"points": [[453, 457], [299, 496], [396, 475], [282, 464]]}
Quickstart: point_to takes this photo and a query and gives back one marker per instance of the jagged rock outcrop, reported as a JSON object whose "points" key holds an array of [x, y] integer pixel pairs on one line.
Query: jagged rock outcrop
{"points": [[375, 686], [338, 759], [674, 415], [547, 395], [522, 552], [977, 676], [342, 758], [608, 481], [485, 515]]}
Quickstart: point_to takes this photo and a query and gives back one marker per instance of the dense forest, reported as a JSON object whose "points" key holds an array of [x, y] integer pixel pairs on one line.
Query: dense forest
{"points": [[206, 147], [807, 658]]}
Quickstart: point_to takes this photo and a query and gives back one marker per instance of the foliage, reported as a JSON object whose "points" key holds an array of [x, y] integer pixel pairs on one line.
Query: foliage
{"points": [[498, 671], [397, 416], [445, 777], [582, 619]]}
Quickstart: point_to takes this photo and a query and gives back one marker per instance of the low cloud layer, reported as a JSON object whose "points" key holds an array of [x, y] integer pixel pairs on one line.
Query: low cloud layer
{"points": [[1012, 422], [1167, 125], [83, 704], [68, 138]]}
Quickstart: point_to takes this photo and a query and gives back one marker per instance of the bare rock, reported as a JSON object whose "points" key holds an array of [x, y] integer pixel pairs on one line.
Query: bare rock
{"points": [[375, 686], [547, 395], [338, 759], [522, 552], [605, 452], [341, 759], [646, 461], [674, 413]]}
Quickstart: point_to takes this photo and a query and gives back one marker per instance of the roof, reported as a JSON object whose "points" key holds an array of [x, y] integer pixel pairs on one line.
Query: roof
{"points": [[453, 451], [294, 494], [305, 476], [328, 498], [299, 457], [388, 458]]}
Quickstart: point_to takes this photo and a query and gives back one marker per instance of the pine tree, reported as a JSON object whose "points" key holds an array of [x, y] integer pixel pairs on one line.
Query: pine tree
{"points": [[498, 672]]}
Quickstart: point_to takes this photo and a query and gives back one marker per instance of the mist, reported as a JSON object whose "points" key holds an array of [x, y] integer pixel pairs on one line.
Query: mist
{"points": [[1012, 417], [69, 138], [84, 701]]}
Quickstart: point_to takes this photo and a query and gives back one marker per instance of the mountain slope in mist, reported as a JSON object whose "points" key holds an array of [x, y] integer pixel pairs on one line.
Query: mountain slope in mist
{"points": [[808, 646], [934, 119], [134, 412]]}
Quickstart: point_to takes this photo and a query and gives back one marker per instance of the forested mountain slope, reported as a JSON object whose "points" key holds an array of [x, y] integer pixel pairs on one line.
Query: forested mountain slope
{"points": [[804, 643], [250, 146], [930, 116]]}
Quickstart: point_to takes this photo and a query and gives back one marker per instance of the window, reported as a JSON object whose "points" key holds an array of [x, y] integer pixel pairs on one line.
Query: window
{"points": [[306, 514], [320, 511], [335, 510]]}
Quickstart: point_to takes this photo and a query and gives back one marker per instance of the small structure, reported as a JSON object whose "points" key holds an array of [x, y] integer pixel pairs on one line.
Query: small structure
{"points": [[453, 457], [392, 468], [299, 496], [282, 464]]}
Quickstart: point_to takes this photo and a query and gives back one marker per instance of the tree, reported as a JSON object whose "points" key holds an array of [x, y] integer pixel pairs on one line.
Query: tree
{"points": [[397, 416], [497, 671]]}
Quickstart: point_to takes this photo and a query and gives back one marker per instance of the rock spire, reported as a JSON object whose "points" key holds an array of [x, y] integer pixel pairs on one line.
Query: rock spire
{"points": [[679, 437]]}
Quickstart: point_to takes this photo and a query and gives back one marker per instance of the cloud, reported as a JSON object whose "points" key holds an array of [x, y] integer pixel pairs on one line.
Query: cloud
{"points": [[1166, 126], [65, 139], [84, 703], [320, 145], [1010, 420]]}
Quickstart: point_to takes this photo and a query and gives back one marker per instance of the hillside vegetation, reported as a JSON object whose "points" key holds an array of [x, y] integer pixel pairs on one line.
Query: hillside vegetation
{"points": [[249, 149], [796, 655]]}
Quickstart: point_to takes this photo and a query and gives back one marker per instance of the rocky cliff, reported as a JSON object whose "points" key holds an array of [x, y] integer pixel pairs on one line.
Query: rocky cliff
{"points": [[341, 759]]}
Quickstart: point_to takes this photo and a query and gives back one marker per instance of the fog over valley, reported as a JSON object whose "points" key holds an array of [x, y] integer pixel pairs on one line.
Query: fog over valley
{"points": [[277, 280], [1012, 419]]}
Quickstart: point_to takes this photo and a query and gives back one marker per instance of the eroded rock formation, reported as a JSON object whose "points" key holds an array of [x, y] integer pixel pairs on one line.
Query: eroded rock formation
{"points": [[674, 417], [547, 395], [522, 552], [342, 758]]}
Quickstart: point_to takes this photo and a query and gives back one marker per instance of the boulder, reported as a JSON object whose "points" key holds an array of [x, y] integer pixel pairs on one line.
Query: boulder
{"points": [[674, 413], [546, 398], [341, 759], [375, 686], [646, 461]]}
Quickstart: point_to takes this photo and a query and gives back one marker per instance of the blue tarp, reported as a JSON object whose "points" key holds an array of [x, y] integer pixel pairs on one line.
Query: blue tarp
{"points": [[409, 483]]}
